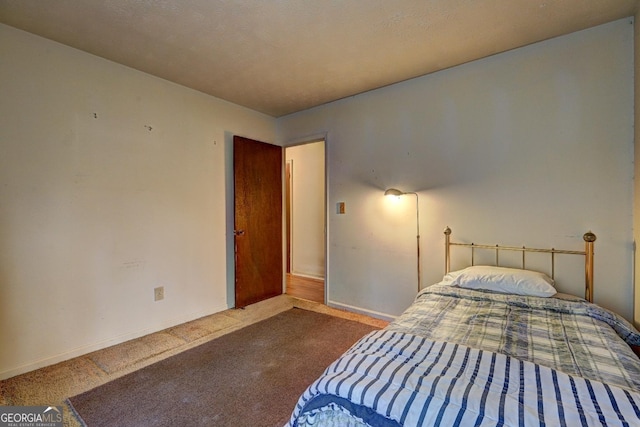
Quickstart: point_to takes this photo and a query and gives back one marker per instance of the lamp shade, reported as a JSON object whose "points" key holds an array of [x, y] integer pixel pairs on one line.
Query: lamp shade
{"points": [[393, 192]]}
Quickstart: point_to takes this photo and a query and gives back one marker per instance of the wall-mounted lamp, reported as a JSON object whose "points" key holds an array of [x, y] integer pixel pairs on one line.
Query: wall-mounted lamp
{"points": [[398, 193]]}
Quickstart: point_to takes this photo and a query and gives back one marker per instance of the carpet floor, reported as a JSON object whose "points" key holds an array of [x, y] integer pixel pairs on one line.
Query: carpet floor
{"points": [[250, 377]]}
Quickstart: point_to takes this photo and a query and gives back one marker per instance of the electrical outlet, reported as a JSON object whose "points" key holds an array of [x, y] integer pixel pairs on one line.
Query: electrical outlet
{"points": [[158, 293]]}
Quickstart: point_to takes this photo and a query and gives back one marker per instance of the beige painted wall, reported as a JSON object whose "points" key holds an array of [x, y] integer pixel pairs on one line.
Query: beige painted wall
{"points": [[308, 209], [533, 146], [112, 182]]}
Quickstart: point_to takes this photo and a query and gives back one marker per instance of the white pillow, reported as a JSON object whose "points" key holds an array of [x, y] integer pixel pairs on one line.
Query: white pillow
{"points": [[506, 280]]}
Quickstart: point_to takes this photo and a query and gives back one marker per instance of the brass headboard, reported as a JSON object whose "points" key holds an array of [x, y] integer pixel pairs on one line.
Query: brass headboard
{"points": [[589, 239]]}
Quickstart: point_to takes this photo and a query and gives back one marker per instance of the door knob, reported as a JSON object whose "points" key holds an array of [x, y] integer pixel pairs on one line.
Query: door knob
{"points": [[238, 232]]}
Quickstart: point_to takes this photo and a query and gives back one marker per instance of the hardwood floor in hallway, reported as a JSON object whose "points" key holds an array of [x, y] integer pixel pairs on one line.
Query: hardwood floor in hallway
{"points": [[305, 287]]}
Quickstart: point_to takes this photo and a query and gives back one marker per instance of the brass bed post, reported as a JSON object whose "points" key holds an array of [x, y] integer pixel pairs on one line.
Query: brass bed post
{"points": [[589, 239], [447, 255]]}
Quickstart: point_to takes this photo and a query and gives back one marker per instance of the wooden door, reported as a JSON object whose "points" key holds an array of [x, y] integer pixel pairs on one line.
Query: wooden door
{"points": [[258, 220]]}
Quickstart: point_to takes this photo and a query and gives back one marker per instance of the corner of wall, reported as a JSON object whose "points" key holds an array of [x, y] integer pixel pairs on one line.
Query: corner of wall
{"points": [[636, 190]]}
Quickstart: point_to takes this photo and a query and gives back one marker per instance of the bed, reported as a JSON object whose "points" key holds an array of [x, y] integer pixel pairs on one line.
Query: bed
{"points": [[488, 345]]}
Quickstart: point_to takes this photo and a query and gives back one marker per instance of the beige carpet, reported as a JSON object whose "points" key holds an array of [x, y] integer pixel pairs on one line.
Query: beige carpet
{"points": [[52, 385]]}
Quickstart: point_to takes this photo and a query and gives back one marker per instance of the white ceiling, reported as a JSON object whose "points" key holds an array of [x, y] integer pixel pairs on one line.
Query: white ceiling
{"points": [[283, 56]]}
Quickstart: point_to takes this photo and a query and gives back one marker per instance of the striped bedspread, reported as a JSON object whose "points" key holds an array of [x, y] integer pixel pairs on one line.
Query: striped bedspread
{"points": [[468, 357], [391, 378], [572, 336]]}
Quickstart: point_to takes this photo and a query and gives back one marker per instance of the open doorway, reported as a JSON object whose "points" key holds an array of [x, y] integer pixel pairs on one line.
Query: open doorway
{"points": [[305, 220]]}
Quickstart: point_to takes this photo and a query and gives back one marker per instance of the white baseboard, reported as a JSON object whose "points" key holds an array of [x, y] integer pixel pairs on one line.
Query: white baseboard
{"points": [[371, 313]]}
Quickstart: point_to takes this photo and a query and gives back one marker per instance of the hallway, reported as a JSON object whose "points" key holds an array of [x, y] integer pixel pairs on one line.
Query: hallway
{"points": [[305, 287]]}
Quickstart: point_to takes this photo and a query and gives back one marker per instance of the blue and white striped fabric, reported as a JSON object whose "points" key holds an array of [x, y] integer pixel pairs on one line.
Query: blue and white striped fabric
{"points": [[390, 378]]}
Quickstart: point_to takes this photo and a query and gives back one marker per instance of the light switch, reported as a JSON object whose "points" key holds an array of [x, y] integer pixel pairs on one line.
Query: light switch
{"points": [[340, 208]]}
